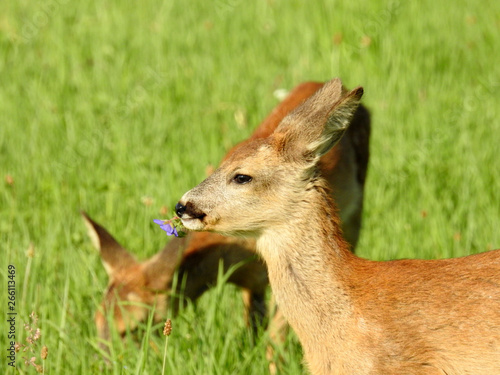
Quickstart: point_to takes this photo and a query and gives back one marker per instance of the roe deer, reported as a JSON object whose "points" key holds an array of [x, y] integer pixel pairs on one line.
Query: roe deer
{"points": [[352, 315], [198, 254]]}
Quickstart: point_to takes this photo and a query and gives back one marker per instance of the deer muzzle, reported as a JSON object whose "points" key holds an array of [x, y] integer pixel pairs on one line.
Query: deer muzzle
{"points": [[191, 217]]}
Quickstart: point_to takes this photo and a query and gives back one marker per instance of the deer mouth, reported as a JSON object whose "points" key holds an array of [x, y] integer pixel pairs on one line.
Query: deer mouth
{"points": [[191, 217], [193, 223]]}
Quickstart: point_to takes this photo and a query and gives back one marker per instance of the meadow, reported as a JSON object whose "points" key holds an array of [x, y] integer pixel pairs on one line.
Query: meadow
{"points": [[118, 108]]}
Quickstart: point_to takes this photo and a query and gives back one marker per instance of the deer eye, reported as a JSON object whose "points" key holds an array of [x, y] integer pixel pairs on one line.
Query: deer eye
{"points": [[242, 179]]}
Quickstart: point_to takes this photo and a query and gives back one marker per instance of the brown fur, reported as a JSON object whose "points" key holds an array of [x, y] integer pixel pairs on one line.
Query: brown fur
{"points": [[352, 316], [197, 256]]}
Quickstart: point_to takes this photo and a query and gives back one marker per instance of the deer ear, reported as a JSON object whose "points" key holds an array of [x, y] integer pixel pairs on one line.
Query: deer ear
{"points": [[160, 269], [336, 123], [114, 257], [317, 125]]}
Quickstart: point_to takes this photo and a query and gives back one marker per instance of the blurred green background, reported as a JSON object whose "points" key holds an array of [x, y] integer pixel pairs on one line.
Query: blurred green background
{"points": [[118, 108]]}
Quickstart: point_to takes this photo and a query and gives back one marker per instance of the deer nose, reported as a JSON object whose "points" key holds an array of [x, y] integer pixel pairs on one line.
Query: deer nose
{"points": [[180, 209]]}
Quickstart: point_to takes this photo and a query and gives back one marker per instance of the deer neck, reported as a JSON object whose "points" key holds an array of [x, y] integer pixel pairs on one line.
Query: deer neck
{"points": [[308, 262]]}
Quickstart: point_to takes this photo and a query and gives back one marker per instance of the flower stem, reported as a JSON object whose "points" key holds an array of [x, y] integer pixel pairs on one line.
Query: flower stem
{"points": [[164, 356]]}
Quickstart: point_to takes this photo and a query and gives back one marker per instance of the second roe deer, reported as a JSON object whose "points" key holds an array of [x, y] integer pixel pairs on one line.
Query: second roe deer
{"points": [[352, 315], [134, 285]]}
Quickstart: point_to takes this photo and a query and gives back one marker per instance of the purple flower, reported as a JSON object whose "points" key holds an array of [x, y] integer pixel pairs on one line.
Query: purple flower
{"points": [[167, 227]]}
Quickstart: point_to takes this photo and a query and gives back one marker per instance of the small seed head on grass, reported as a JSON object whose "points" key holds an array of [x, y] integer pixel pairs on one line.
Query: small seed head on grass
{"points": [[30, 253], [34, 335], [44, 352], [9, 180], [147, 201], [167, 330]]}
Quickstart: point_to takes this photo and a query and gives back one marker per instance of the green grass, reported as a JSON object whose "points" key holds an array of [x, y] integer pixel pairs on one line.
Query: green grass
{"points": [[104, 103]]}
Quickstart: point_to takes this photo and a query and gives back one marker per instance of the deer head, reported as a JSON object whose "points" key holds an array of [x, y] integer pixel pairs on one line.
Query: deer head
{"points": [[242, 197], [134, 287]]}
